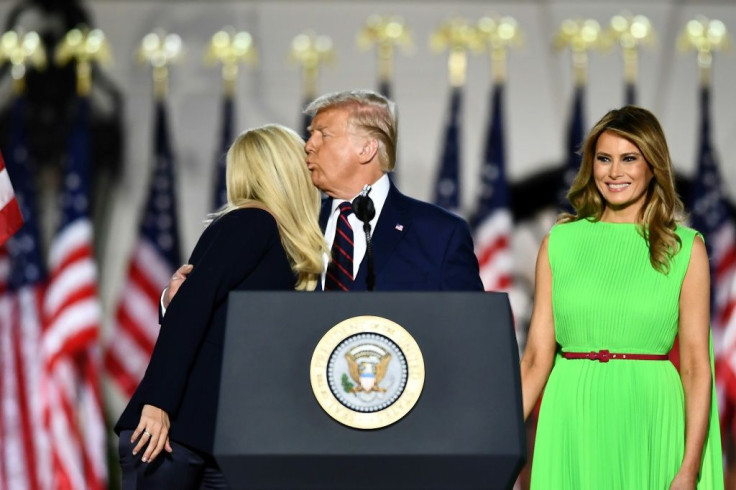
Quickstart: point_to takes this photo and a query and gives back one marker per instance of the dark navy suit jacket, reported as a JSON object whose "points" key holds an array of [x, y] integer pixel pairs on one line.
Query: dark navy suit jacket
{"points": [[239, 251], [417, 246]]}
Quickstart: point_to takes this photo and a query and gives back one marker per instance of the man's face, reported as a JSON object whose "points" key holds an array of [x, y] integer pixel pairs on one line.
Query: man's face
{"points": [[333, 151]]}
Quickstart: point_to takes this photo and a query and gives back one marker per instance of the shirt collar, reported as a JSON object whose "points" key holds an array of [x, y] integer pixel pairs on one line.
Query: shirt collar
{"points": [[378, 194]]}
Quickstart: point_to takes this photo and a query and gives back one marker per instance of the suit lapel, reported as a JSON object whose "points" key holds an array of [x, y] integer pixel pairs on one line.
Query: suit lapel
{"points": [[324, 213], [392, 225]]}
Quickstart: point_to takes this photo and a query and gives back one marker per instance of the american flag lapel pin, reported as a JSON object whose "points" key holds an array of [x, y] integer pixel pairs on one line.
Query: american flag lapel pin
{"points": [[399, 227]]}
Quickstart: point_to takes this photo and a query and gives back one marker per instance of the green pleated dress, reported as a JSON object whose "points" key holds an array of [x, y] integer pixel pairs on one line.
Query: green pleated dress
{"points": [[620, 424]]}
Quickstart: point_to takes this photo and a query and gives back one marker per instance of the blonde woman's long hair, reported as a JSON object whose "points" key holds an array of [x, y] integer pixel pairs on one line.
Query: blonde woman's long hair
{"points": [[662, 209], [266, 169]]}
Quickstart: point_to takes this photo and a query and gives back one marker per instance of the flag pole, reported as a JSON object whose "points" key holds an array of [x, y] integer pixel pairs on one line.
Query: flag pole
{"points": [[498, 34], [705, 36], [156, 249], [160, 49], [579, 36], [492, 219], [83, 46], [712, 216], [631, 32], [310, 51], [386, 33], [231, 49], [457, 36], [22, 275], [72, 342], [21, 50]]}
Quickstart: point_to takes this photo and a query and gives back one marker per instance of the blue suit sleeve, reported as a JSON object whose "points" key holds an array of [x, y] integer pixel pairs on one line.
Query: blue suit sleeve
{"points": [[460, 265], [226, 253]]}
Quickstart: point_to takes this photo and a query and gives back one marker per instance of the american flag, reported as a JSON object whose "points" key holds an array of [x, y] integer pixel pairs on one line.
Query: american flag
{"points": [[575, 136], [25, 459], [492, 221], [72, 318], [447, 187], [154, 259], [11, 218], [712, 217], [226, 139]]}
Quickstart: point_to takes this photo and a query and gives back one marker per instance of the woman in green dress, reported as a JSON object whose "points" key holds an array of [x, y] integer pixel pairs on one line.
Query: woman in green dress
{"points": [[616, 282]]}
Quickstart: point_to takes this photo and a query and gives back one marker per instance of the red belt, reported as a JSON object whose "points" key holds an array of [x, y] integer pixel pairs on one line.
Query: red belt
{"points": [[605, 356]]}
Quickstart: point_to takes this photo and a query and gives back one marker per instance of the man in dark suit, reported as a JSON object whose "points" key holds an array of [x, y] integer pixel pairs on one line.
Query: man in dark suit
{"points": [[416, 246]]}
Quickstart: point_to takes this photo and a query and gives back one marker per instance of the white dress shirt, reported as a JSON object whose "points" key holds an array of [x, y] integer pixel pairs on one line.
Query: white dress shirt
{"points": [[378, 194]]}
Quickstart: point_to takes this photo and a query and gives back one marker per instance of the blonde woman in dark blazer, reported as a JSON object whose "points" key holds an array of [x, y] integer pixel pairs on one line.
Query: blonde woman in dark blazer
{"points": [[266, 237]]}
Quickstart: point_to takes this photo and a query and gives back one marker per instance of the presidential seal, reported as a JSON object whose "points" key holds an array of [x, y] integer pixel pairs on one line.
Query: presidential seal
{"points": [[367, 372]]}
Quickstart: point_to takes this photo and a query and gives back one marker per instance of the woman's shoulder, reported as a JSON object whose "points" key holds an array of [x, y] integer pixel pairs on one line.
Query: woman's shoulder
{"points": [[250, 216], [235, 230], [685, 232], [567, 227], [562, 236], [687, 237], [239, 225]]}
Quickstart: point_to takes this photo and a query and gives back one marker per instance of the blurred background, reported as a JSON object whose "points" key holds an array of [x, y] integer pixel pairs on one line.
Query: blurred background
{"points": [[115, 171]]}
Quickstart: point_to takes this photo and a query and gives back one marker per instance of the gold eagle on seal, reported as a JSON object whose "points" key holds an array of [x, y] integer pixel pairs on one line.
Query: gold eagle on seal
{"points": [[367, 371]]}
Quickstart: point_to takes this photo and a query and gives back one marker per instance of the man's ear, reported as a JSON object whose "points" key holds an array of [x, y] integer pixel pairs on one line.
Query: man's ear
{"points": [[368, 151]]}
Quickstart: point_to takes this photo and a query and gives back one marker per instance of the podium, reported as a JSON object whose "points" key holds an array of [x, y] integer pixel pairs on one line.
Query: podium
{"points": [[465, 431]]}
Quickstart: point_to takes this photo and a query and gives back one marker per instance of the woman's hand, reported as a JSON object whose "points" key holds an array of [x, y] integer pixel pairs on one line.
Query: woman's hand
{"points": [[176, 281], [153, 429], [683, 481]]}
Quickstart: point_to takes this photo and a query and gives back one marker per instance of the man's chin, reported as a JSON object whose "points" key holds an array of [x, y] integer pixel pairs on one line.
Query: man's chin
{"points": [[319, 186]]}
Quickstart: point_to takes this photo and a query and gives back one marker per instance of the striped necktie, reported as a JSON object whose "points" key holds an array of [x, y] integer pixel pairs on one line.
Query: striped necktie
{"points": [[340, 271]]}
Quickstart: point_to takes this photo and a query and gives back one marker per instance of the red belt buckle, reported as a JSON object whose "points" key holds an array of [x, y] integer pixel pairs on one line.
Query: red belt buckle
{"points": [[600, 356]]}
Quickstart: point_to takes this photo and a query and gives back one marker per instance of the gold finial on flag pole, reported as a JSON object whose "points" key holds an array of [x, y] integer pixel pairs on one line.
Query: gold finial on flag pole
{"points": [[231, 48], [160, 50], [21, 49], [631, 32], [581, 36], [311, 52], [705, 36], [83, 46], [457, 36], [498, 34], [386, 33]]}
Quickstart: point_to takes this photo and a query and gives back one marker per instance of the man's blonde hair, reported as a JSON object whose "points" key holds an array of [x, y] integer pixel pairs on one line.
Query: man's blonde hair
{"points": [[369, 112]]}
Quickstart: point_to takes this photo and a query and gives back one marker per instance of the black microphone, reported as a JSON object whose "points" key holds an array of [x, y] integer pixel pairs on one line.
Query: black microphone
{"points": [[363, 207], [365, 211]]}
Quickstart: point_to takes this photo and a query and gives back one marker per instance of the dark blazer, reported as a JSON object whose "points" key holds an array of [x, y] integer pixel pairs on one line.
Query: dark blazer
{"points": [[239, 251], [417, 246]]}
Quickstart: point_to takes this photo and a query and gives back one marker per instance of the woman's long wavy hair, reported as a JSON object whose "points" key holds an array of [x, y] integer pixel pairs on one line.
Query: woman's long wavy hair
{"points": [[662, 209], [266, 169]]}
